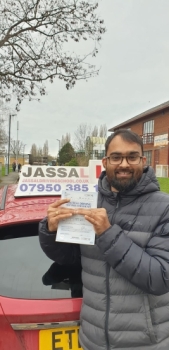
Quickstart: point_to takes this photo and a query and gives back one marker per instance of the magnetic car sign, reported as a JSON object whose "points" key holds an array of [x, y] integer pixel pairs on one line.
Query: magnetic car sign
{"points": [[51, 180]]}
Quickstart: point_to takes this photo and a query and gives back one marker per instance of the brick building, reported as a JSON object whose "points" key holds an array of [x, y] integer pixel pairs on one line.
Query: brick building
{"points": [[153, 126]]}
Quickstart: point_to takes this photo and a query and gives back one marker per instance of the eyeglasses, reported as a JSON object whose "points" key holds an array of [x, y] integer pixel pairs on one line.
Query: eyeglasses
{"points": [[116, 160]]}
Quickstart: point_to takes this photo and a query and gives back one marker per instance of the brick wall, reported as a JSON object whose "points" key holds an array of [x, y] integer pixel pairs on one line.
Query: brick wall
{"points": [[137, 128], [161, 123], [21, 160]]}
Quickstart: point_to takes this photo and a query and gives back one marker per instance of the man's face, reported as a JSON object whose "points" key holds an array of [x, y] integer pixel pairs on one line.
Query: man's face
{"points": [[123, 177]]}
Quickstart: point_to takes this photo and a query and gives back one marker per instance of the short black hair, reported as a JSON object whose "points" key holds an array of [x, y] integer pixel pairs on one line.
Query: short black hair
{"points": [[126, 135]]}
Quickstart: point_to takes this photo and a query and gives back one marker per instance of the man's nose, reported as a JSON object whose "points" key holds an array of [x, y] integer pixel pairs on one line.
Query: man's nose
{"points": [[124, 162]]}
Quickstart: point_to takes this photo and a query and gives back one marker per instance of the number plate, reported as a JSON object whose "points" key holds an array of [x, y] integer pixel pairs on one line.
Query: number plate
{"points": [[65, 338]]}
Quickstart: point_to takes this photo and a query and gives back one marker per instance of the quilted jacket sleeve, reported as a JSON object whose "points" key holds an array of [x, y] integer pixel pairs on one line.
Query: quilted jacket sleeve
{"points": [[147, 267], [62, 253]]}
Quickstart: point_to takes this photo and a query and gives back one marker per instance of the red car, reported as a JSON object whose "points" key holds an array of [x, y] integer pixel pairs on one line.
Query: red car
{"points": [[36, 312]]}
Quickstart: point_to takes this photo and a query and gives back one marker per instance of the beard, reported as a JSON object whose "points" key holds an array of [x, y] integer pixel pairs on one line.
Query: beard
{"points": [[123, 186]]}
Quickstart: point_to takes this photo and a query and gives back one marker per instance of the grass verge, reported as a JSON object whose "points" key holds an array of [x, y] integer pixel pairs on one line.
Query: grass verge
{"points": [[164, 184], [3, 170]]}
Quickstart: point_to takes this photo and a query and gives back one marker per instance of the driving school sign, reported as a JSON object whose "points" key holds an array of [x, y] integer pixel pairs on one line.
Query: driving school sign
{"points": [[51, 180]]}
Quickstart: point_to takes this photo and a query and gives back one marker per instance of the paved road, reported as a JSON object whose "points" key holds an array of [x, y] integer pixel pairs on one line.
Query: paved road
{"points": [[12, 178]]}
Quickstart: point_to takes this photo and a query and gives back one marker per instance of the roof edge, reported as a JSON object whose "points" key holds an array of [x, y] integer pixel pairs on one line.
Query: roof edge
{"points": [[150, 111]]}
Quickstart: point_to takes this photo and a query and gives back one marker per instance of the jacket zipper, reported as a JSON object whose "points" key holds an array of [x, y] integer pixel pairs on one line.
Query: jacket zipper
{"points": [[108, 289], [117, 201], [116, 208], [107, 306]]}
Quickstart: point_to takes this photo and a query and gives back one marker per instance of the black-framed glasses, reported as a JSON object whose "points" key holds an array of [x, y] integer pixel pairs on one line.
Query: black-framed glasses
{"points": [[115, 159]]}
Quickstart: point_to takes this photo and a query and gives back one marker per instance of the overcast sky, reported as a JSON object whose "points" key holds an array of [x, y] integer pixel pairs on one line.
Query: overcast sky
{"points": [[134, 76]]}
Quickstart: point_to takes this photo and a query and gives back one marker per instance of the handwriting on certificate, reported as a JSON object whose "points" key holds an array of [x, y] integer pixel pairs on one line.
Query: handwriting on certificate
{"points": [[77, 229]]}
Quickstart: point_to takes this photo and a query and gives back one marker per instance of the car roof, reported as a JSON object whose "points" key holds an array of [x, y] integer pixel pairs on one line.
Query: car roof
{"points": [[21, 210]]}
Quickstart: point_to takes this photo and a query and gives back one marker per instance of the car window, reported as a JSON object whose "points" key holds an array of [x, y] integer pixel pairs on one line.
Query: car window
{"points": [[26, 272]]}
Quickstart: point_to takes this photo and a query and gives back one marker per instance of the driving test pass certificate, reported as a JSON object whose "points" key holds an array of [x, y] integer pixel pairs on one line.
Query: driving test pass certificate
{"points": [[77, 229]]}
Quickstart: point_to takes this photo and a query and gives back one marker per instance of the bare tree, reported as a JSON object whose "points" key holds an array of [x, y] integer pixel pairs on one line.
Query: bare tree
{"points": [[94, 133], [81, 134], [103, 130], [87, 141], [3, 136], [16, 147], [40, 152], [39, 155], [45, 149], [33, 36], [65, 139], [84, 136], [34, 150]]}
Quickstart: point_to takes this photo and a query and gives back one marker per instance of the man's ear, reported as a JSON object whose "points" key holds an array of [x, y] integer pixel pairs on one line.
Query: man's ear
{"points": [[144, 160], [104, 162]]}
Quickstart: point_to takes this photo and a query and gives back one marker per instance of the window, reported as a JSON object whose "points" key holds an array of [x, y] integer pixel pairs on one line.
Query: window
{"points": [[27, 273], [148, 127], [102, 153], [148, 155], [148, 132]]}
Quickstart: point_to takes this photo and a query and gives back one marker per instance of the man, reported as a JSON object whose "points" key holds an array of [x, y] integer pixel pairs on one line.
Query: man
{"points": [[14, 166], [126, 273], [19, 167]]}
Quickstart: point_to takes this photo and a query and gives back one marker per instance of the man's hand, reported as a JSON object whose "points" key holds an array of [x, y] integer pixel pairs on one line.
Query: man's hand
{"points": [[97, 217], [56, 213]]}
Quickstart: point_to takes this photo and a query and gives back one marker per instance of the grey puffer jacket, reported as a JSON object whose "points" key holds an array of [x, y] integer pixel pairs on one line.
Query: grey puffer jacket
{"points": [[126, 273]]}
